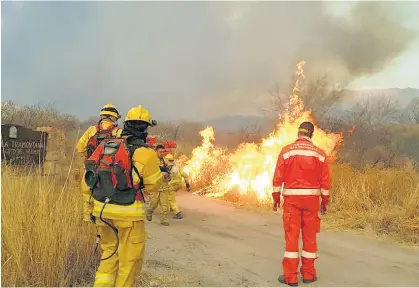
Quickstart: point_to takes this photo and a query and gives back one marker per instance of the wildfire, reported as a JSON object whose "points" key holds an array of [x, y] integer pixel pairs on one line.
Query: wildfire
{"points": [[250, 168], [204, 154]]}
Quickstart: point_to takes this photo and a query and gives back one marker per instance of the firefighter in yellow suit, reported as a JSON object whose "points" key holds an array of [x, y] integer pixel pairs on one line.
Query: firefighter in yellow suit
{"points": [[109, 116], [120, 270], [161, 198], [175, 184]]}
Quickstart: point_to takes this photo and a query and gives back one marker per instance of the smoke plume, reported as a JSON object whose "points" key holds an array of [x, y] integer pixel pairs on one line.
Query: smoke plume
{"points": [[187, 59]]}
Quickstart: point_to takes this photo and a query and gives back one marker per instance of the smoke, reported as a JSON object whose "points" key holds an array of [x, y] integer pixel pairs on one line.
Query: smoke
{"points": [[186, 59], [363, 44]]}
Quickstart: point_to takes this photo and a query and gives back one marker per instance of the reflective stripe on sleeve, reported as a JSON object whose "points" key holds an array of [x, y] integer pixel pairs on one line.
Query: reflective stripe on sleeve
{"points": [[290, 254], [325, 192], [303, 192], [308, 153], [163, 188], [309, 255], [277, 188], [152, 179]]}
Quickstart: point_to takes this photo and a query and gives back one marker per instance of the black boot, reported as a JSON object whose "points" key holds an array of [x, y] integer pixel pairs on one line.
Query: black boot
{"points": [[308, 281], [281, 279], [178, 216]]}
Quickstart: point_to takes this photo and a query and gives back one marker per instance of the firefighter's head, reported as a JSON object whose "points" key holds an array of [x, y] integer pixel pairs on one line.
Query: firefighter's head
{"points": [[137, 121], [160, 150], [306, 129], [169, 160], [110, 112]]}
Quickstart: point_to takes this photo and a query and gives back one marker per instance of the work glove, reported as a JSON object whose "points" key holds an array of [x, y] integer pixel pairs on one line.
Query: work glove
{"points": [[166, 176], [188, 187], [277, 200], [324, 204]]}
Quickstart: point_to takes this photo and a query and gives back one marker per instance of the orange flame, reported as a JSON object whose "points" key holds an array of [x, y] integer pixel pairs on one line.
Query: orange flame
{"points": [[204, 154], [250, 168], [351, 131]]}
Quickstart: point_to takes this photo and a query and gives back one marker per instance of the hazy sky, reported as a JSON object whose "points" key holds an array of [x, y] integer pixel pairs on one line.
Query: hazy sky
{"points": [[198, 60]]}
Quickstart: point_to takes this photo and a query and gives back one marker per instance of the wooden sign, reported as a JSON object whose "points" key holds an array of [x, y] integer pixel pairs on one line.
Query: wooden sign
{"points": [[22, 146]]}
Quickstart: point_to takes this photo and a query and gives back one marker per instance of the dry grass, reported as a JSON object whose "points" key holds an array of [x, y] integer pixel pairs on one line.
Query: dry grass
{"points": [[384, 200], [44, 240]]}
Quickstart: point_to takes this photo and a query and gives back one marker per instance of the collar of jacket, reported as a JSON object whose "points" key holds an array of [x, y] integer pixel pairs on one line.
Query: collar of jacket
{"points": [[304, 138]]}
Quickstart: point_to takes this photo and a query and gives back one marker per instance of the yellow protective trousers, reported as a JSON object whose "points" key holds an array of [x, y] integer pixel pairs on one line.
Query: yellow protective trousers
{"points": [[120, 270], [161, 197], [172, 201], [87, 203]]}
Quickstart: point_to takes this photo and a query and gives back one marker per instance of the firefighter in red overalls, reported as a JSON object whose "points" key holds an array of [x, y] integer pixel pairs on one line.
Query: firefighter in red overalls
{"points": [[303, 176]]}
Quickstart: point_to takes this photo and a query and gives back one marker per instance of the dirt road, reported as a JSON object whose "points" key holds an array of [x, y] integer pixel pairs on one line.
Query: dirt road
{"points": [[219, 245]]}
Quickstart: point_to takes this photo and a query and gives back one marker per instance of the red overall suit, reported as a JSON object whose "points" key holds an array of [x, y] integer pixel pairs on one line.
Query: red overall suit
{"points": [[304, 170]]}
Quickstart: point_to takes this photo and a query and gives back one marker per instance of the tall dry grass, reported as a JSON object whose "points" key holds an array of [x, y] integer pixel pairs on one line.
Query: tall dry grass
{"points": [[384, 200], [44, 240]]}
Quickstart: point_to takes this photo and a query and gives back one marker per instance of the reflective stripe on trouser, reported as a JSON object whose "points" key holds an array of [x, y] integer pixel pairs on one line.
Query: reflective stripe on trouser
{"points": [[162, 198], [121, 269], [300, 213], [172, 201]]}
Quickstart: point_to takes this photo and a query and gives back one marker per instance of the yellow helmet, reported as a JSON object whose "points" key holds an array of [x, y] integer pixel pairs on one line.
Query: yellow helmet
{"points": [[139, 113], [169, 157], [110, 110]]}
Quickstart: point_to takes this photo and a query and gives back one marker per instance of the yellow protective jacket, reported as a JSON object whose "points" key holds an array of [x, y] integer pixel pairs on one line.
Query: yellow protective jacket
{"points": [[164, 184], [91, 131], [147, 163], [176, 176]]}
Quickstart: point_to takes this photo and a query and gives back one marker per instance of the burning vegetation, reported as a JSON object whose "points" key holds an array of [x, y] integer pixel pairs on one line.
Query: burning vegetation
{"points": [[249, 168]]}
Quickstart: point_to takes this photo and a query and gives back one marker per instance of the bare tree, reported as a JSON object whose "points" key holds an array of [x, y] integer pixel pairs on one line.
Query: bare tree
{"points": [[9, 112], [318, 95], [37, 115], [373, 110], [175, 133], [250, 133], [414, 110]]}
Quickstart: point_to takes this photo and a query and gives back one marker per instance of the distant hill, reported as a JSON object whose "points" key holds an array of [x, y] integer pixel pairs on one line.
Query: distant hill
{"points": [[236, 122]]}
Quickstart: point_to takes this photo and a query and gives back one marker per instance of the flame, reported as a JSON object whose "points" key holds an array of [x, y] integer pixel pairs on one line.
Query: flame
{"points": [[250, 168], [206, 153], [351, 131]]}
